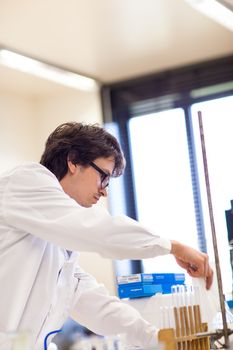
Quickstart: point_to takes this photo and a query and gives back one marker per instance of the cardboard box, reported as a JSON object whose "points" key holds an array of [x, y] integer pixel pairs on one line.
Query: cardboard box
{"points": [[146, 285]]}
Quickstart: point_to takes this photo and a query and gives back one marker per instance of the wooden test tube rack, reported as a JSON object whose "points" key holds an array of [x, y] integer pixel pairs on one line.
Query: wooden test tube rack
{"points": [[187, 325]]}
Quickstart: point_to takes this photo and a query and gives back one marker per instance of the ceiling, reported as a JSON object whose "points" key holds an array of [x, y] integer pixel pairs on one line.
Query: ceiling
{"points": [[110, 40]]}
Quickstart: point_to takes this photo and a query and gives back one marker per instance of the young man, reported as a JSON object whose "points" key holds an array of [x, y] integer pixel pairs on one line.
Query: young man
{"points": [[46, 209]]}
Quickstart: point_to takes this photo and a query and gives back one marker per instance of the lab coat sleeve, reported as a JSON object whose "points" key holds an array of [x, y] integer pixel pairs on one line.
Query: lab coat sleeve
{"points": [[105, 315], [35, 203]]}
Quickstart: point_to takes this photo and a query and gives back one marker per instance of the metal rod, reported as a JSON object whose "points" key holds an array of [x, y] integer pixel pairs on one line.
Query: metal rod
{"points": [[214, 238]]}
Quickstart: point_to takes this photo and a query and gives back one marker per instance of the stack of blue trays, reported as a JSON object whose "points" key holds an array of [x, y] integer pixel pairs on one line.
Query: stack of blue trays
{"points": [[147, 284]]}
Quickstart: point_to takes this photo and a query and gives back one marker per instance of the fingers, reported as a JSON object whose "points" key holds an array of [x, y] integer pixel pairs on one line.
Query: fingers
{"points": [[209, 278], [206, 265], [199, 268], [208, 272], [192, 267], [182, 263], [193, 261]]}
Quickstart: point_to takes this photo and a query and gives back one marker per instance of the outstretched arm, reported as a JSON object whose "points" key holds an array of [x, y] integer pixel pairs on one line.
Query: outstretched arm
{"points": [[193, 261]]}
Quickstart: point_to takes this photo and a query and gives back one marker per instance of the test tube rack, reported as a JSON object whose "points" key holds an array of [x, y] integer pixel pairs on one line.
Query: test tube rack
{"points": [[189, 332]]}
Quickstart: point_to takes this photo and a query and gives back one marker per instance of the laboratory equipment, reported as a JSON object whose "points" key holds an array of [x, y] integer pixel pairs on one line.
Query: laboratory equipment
{"points": [[183, 328]]}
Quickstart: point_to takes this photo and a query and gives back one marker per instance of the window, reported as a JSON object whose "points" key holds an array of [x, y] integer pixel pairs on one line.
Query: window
{"points": [[162, 178]]}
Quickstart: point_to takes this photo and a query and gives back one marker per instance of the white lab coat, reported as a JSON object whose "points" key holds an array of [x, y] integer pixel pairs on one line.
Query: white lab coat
{"points": [[40, 285]]}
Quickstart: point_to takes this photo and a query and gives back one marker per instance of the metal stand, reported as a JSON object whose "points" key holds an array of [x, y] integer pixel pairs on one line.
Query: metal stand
{"points": [[225, 330]]}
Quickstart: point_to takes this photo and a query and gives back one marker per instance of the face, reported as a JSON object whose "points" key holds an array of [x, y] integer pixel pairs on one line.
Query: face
{"points": [[83, 183]]}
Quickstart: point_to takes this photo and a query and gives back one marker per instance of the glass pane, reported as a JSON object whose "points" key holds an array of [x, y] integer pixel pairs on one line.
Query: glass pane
{"points": [[162, 180], [217, 118]]}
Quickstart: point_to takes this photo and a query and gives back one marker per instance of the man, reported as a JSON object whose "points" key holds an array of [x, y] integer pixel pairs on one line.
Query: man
{"points": [[47, 209]]}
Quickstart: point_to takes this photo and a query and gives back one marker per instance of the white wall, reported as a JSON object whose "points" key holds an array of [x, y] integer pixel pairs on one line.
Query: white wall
{"points": [[17, 129], [25, 125], [73, 106]]}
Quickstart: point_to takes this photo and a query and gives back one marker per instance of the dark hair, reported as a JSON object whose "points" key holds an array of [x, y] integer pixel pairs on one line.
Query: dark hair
{"points": [[80, 143]]}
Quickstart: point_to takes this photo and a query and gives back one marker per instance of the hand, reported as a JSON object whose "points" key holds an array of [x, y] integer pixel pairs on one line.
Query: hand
{"points": [[193, 261]]}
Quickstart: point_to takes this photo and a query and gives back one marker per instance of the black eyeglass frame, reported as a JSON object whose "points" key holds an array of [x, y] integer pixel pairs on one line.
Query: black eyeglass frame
{"points": [[104, 176]]}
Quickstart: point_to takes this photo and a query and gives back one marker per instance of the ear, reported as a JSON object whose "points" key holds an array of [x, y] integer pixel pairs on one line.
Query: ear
{"points": [[72, 168]]}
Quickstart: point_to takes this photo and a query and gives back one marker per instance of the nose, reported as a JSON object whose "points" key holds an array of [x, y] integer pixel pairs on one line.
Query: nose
{"points": [[104, 192]]}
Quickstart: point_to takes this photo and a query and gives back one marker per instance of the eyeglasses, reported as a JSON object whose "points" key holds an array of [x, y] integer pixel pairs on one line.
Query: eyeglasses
{"points": [[104, 176]]}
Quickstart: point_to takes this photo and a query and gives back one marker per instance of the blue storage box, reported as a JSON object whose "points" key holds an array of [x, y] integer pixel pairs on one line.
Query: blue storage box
{"points": [[146, 285]]}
